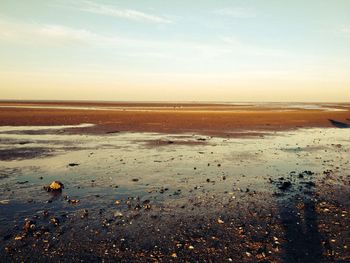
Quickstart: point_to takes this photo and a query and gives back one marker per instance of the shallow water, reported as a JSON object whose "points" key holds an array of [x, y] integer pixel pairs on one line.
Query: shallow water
{"points": [[117, 166]]}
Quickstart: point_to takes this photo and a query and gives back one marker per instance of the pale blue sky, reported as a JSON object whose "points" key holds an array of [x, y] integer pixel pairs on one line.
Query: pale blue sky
{"points": [[175, 50]]}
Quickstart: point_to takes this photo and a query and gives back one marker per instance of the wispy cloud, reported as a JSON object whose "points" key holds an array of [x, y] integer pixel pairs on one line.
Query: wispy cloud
{"points": [[344, 30], [53, 35], [238, 12], [64, 33], [252, 50], [129, 14], [33, 33]]}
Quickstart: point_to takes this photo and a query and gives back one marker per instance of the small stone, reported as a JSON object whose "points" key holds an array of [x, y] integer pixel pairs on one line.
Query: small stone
{"points": [[146, 202], [28, 225], [220, 221], [118, 214], [55, 186], [4, 202], [137, 207], [73, 201], [54, 221], [147, 207], [85, 213]]}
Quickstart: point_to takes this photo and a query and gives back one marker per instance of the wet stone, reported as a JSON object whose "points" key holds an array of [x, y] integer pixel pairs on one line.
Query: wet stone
{"points": [[55, 186], [285, 186], [54, 221]]}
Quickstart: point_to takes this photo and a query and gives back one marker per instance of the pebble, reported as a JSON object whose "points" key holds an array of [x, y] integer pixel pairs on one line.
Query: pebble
{"points": [[54, 221], [55, 186], [118, 214], [4, 202], [73, 201], [85, 213]]}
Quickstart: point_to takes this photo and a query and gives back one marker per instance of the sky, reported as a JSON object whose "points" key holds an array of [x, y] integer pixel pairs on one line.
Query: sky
{"points": [[175, 50]]}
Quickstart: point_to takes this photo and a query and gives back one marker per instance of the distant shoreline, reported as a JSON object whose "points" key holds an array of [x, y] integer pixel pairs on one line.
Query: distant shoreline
{"points": [[150, 102]]}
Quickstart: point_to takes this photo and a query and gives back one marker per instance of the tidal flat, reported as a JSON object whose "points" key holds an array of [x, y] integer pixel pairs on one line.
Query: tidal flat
{"points": [[258, 195]]}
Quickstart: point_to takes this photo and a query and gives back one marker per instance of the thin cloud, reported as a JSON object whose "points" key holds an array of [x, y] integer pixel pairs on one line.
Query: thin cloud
{"points": [[65, 33], [129, 14], [238, 12], [344, 30], [49, 34], [252, 50], [59, 35]]}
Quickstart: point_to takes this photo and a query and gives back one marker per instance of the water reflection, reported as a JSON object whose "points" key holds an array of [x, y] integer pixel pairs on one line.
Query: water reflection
{"points": [[200, 167]]}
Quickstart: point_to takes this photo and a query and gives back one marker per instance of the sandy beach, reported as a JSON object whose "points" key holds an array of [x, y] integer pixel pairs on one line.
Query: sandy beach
{"points": [[174, 182], [204, 118], [174, 131]]}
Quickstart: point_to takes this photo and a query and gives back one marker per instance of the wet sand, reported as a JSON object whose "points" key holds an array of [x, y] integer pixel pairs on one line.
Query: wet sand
{"points": [[206, 192], [210, 119]]}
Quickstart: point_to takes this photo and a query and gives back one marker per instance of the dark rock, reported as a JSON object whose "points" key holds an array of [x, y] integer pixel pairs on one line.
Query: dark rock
{"points": [[310, 184], [111, 132], [285, 185], [22, 182]]}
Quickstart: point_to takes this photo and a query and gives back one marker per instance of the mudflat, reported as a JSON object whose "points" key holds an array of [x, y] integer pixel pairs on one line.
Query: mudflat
{"points": [[205, 118], [180, 182]]}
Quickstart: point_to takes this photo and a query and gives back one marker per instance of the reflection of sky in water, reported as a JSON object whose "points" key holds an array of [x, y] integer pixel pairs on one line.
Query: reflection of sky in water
{"points": [[114, 160], [4, 129]]}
